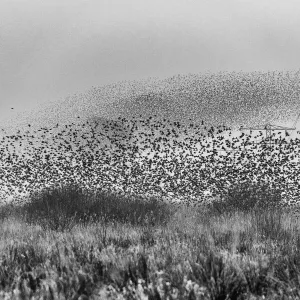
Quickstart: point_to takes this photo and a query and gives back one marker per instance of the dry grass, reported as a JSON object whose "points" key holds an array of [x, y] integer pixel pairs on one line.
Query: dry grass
{"points": [[191, 254]]}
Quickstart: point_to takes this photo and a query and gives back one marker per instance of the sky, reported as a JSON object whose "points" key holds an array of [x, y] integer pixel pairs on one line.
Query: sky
{"points": [[54, 48]]}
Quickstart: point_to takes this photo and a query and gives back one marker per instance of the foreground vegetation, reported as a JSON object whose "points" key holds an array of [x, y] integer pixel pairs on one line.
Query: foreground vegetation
{"points": [[67, 244]]}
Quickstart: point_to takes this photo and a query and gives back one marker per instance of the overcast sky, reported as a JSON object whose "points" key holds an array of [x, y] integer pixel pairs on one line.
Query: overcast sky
{"points": [[53, 48]]}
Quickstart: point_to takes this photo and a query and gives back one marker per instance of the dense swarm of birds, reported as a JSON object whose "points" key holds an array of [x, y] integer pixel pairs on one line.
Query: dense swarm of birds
{"points": [[186, 163], [232, 98]]}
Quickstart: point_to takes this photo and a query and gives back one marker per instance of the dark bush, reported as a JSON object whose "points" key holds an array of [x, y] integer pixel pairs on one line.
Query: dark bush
{"points": [[58, 208], [63, 207], [246, 197]]}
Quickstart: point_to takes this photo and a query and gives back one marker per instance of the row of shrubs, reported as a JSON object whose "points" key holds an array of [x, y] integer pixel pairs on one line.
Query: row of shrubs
{"points": [[62, 207]]}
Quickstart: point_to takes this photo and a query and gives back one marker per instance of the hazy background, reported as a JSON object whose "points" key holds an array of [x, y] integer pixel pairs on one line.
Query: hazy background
{"points": [[53, 48]]}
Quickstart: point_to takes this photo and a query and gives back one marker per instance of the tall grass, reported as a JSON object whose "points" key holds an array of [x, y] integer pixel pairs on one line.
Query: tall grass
{"points": [[109, 249]]}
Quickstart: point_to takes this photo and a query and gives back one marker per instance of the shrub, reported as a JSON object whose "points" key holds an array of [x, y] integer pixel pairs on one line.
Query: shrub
{"points": [[58, 208], [63, 207], [132, 210], [246, 197], [6, 211]]}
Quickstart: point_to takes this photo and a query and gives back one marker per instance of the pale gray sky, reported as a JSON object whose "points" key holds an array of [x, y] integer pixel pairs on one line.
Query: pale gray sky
{"points": [[53, 48]]}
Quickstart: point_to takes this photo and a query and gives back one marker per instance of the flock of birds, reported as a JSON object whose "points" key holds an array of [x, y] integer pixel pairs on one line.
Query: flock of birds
{"points": [[148, 157]]}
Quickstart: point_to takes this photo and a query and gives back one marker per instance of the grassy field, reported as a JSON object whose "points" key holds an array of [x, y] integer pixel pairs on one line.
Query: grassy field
{"points": [[67, 244]]}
